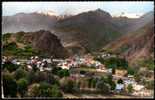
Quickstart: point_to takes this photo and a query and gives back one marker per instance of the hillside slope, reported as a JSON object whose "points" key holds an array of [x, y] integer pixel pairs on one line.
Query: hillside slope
{"points": [[88, 29], [135, 45]]}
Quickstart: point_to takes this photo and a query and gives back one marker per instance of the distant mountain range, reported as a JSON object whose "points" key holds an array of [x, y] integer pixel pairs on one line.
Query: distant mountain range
{"points": [[27, 22], [87, 31]]}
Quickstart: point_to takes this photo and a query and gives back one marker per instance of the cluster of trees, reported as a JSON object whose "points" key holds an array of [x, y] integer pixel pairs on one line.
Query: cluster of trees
{"points": [[114, 62], [60, 72], [10, 66], [44, 89], [17, 81], [12, 49], [68, 85], [104, 84]]}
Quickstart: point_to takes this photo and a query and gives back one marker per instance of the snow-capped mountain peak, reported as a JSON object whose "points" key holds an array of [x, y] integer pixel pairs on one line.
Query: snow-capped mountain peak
{"points": [[48, 13]]}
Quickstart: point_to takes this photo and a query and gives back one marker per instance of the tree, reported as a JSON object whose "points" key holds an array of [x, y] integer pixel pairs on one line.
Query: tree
{"points": [[10, 66], [102, 87], [115, 62], [9, 85], [22, 85], [90, 82], [6, 36], [56, 91], [46, 77], [63, 73], [93, 82], [109, 78], [137, 77], [122, 63], [51, 79], [113, 85], [55, 70], [20, 73], [82, 71], [130, 88], [34, 67], [67, 85], [31, 77], [131, 71], [120, 81], [45, 90], [113, 70]]}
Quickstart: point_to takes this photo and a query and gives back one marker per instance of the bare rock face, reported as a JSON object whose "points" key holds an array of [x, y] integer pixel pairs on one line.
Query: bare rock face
{"points": [[45, 41]]}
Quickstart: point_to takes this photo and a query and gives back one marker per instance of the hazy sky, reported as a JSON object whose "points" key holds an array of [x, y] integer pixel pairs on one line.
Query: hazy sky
{"points": [[114, 8]]}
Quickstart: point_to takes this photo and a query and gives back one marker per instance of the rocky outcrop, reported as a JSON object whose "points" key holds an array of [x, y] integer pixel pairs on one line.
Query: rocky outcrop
{"points": [[44, 41]]}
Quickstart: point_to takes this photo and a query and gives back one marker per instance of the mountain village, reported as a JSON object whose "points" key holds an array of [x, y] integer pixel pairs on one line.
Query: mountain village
{"points": [[73, 64]]}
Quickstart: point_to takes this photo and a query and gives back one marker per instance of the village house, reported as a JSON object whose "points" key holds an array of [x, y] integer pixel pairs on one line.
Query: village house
{"points": [[119, 87], [4, 59], [129, 81], [138, 87], [120, 72], [14, 61], [143, 92]]}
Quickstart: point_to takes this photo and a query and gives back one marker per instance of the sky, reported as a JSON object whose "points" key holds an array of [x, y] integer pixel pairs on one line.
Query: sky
{"points": [[115, 8]]}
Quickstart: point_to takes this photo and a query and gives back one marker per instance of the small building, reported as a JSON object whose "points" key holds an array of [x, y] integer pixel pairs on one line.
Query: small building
{"points": [[137, 87], [119, 87], [109, 70], [18, 63], [127, 82], [14, 61], [130, 76], [64, 66], [29, 67], [120, 72]]}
